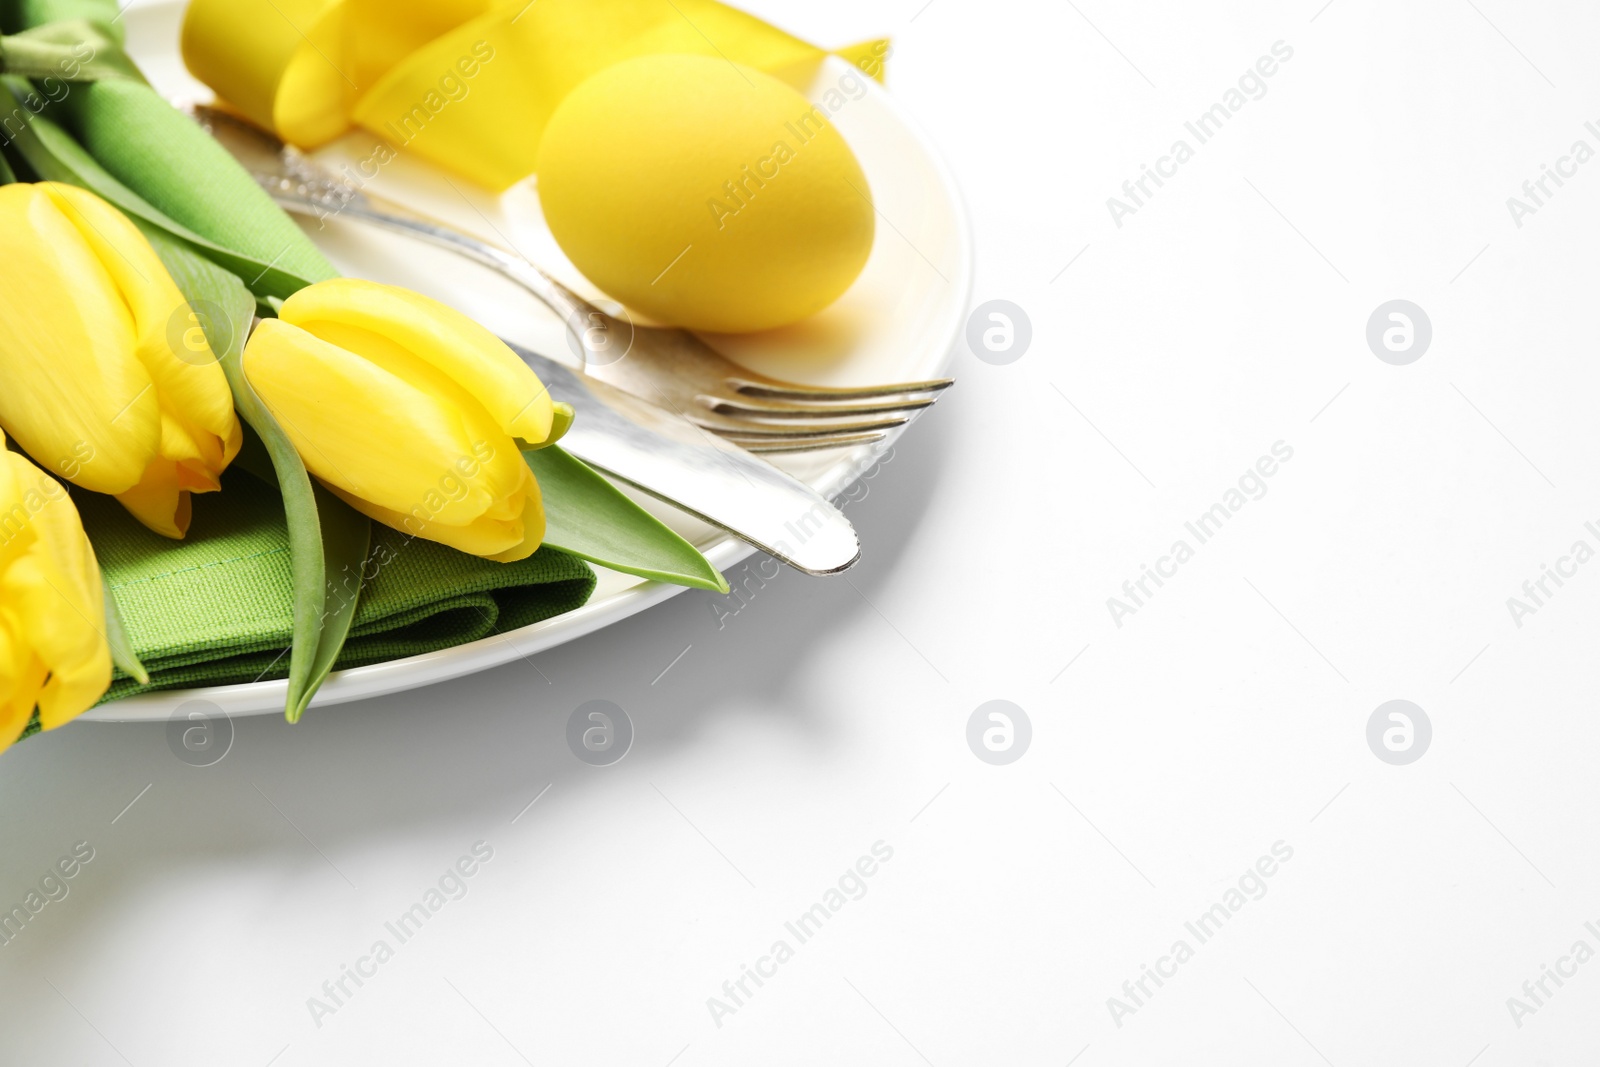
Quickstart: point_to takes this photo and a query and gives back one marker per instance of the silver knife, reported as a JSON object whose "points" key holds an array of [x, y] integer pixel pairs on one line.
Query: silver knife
{"points": [[714, 480]]}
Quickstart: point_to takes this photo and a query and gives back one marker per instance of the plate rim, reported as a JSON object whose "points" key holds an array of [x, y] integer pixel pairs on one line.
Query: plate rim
{"points": [[726, 552]]}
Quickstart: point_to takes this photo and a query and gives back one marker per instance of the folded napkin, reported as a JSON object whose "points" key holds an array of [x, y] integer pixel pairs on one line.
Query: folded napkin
{"points": [[214, 609]]}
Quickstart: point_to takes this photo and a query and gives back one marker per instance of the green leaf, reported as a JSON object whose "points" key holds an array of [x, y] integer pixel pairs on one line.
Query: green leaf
{"points": [[346, 540], [328, 539], [21, 14], [592, 519], [122, 653], [254, 458], [57, 50], [54, 155]]}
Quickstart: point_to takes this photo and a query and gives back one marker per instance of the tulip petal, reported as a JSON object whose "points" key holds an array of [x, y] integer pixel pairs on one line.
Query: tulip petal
{"points": [[192, 390], [369, 433], [22, 675], [55, 587], [460, 348], [485, 537], [159, 501], [407, 411], [532, 525], [502, 540], [72, 398], [494, 467], [109, 381], [15, 532]]}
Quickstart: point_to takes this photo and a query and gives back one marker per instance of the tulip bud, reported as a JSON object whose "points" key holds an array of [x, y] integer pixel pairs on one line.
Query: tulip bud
{"points": [[107, 383], [409, 411], [53, 650]]}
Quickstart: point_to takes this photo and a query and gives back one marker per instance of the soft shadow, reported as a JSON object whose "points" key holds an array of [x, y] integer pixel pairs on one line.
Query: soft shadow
{"points": [[472, 752]]}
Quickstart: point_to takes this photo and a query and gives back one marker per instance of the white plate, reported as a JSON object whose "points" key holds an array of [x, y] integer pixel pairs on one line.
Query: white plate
{"points": [[899, 322]]}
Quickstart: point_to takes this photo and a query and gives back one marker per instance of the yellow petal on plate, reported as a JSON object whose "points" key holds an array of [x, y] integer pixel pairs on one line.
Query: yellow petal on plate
{"points": [[283, 63], [871, 57], [455, 345], [384, 32], [468, 84], [525, 58]]}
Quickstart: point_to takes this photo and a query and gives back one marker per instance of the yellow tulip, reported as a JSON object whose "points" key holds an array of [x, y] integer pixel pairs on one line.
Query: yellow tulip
{"points": [[409, 411], [108, 383], [53, 651]]}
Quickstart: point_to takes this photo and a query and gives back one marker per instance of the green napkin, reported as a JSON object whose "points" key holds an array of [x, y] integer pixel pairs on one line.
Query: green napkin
{"points": [[214, 609]]}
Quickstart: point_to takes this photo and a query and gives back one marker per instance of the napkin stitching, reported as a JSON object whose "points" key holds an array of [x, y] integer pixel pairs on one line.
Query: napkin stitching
{"points": [[200, 567]]}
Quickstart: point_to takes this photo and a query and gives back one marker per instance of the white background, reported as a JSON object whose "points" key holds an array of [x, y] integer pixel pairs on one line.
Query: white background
{"points": [[1168, 754]]}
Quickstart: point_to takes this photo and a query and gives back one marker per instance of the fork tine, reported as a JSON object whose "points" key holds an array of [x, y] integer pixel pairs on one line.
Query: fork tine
{"points": [[769, 446], [794, 431], [771, 387], [800, 409]]}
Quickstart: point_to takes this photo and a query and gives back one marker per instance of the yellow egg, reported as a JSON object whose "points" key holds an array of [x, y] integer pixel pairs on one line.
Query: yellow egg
{"points": [[705, 194]]}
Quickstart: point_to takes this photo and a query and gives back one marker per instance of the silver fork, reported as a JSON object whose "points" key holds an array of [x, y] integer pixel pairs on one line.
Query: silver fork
{"points": [[672, 368]]}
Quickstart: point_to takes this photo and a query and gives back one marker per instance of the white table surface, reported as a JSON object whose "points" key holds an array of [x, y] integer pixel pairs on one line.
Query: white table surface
{"points": [[1168, 754]]}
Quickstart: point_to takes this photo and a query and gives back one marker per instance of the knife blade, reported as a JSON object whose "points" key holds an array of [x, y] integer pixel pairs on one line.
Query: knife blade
{"points": [[666, 456]]}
